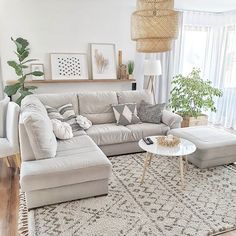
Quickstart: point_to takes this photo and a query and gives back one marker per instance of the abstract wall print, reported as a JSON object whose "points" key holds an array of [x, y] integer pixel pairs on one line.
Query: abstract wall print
{"points": [[69, 66], [37, 67], [103, 61]]}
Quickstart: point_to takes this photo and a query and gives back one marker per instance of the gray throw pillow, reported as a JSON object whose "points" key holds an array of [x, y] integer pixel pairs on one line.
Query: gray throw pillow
{"points": [[66, 114], [126, 114], [150, 113]]}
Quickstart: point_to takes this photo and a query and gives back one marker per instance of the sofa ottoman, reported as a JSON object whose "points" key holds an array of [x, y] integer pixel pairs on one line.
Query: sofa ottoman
{"points": [[214, 146]]}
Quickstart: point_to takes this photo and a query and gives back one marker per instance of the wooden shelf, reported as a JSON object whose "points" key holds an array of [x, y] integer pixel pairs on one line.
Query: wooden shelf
{"points": [[73, 81]]}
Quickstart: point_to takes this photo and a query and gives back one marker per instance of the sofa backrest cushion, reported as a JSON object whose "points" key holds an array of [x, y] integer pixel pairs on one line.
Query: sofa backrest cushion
{"points": [[39, 128], [60, 99], [96, 106], [134, 97], [3, 114]]}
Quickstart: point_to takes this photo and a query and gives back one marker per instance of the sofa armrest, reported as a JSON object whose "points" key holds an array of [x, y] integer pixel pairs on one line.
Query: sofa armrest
{"points": [[12, 125], [171, 119]]}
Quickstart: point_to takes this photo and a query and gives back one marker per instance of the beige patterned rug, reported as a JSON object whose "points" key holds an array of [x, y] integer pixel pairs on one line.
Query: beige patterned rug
{"points": [[157, 207]]}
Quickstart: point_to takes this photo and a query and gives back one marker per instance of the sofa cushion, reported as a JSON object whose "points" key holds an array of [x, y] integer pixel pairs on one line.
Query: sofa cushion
{"points": [[150, 113], [78, 160], [134, 97], [32, 104], [3, 114], [40, 133], [140, 131], [126, 114], [58, 100], [96, 106], [105, 134]]}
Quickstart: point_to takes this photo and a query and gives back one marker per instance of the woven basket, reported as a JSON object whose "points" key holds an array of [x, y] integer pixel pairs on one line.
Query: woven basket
{"points": [[153, 45], [155, 4], [150, 24]]}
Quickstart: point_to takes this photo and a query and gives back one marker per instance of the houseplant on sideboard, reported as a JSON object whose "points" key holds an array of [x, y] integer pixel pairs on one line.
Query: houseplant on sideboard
{"points": [[190, 96], [22, 53]]}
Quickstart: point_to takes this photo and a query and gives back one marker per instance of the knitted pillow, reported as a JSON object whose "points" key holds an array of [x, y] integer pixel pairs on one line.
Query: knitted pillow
{"points": [[62, 130], [126, 114]]}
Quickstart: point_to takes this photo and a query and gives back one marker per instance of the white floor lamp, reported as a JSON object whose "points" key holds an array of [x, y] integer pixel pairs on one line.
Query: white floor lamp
{"points": [[152, 68]]}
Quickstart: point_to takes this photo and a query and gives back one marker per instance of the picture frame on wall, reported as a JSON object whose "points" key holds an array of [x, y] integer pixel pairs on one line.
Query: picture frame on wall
{"points": [[103, 59], [69, 66], [37, 67]]}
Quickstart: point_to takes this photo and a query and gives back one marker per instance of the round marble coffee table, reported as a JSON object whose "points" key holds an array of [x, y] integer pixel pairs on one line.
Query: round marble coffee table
{"points": [[182, 150]]}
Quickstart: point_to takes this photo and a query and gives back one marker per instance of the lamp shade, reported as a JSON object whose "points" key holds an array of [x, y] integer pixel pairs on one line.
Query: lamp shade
{"points": [[152, 68]]}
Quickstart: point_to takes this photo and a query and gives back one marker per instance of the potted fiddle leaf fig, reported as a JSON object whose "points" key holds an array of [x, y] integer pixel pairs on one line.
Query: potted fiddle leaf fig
{"points": [[20, 65], [191, 96]]}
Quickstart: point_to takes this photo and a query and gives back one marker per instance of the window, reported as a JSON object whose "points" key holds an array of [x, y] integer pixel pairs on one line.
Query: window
{"points": [[196, 43]]}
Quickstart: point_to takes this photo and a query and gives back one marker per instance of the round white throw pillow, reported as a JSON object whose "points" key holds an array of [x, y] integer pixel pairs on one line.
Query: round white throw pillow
{"points": [[84, 122], [62, 130]]}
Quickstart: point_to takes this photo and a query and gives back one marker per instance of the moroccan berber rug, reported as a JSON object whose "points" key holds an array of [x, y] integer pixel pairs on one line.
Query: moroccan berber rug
{"points": [[157, 207]]}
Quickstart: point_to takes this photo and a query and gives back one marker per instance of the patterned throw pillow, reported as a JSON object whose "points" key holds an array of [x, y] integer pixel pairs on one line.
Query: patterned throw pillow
{"points": [[66, 114], [150, 113], [126, 114]]}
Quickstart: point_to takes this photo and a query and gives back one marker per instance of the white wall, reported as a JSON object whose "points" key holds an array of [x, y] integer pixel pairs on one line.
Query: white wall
{"points": [[65, 26]]}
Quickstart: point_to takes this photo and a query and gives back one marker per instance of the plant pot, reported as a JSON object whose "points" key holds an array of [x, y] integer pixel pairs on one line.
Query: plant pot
{"points": [[130, 76], [193, 121]]}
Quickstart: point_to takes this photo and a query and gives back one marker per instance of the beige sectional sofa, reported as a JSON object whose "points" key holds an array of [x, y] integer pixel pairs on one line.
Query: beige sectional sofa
{"points": [[80, 167]]}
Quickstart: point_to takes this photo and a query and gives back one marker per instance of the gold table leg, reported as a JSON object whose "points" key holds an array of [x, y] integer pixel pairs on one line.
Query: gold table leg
{"points": [[146, 163]]}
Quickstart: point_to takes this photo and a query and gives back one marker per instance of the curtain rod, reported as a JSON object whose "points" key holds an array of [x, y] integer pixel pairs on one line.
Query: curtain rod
{"points": [[208, 12]]}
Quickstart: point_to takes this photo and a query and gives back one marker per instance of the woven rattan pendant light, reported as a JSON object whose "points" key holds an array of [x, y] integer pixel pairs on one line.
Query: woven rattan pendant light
{"points": [[154, 25]]}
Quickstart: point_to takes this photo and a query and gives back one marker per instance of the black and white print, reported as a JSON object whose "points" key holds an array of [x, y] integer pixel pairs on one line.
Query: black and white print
{"points": [[69, 66]]}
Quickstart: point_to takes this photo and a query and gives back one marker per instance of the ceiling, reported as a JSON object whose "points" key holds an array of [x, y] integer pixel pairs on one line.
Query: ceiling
{"points": [[206, 5]]}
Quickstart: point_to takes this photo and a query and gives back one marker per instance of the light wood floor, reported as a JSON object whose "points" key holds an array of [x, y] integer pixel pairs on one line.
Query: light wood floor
{"points": [[9, 200]]}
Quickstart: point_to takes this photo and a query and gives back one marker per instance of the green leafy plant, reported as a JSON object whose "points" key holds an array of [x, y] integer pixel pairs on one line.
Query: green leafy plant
{"points": [[130, 67], [22, 53], [191, 95]]}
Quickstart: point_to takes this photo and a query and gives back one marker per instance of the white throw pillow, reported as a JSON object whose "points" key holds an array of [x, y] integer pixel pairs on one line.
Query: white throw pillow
{"points": [[84, 122], [62, 130]]}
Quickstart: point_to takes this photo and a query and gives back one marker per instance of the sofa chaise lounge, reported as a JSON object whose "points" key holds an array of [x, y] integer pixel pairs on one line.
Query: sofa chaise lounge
{"points": [[80, 167]]}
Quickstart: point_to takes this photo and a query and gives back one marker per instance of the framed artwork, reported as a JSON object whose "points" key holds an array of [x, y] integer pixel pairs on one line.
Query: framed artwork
{"points": [[37, 67], [103, 61], [69, 66]]}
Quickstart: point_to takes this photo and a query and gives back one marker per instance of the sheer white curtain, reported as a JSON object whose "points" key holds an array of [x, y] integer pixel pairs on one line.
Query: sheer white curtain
{"points": [[226, 79], [1, 84]]}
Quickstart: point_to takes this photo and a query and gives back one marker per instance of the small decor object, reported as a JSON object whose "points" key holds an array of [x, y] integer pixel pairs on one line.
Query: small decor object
{"points": [[168, 141], [103, 61], [130, 70], [154, 25], [152, 69], [62, 130], [191, 105], [126, 114], [83, 122], [122, 69], [37, 67], [22, 52], [69, 66]]}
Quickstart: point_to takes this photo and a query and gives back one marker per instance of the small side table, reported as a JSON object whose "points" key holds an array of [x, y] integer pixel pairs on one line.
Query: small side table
{"points": [[182, 151]]}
